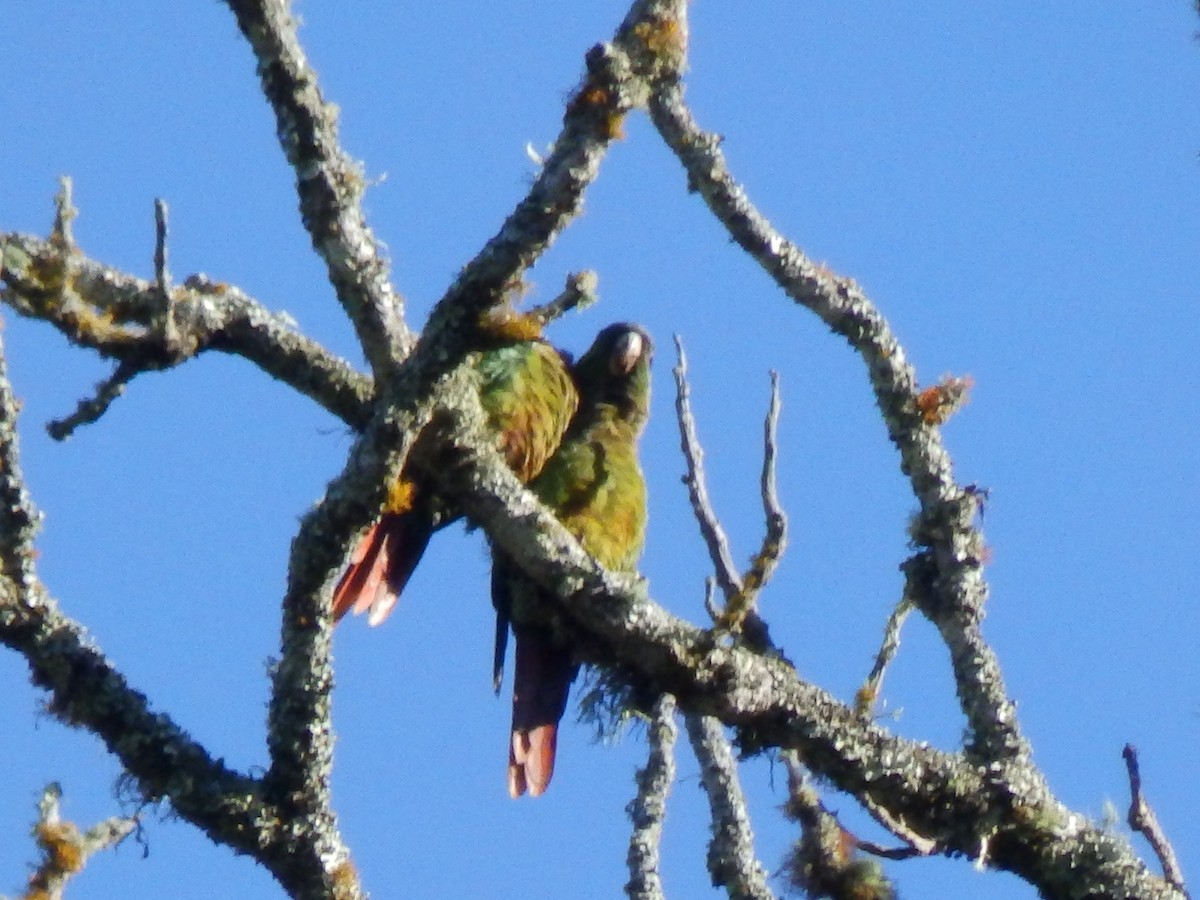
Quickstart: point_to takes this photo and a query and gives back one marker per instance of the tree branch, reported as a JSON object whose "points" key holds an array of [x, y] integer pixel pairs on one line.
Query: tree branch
{"points": [[867, 695], [329, 183], [578, 293], [823, 862], [725, 569], [87, 691], [648, 809], [943, 797], [616, 81], [115, 314], [92, 408], [731, 859], [1142, 819], [65, 849], [945, 523]]}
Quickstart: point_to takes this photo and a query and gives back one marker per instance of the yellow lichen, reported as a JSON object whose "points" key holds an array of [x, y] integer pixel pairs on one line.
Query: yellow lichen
{"points": [[662, 37], [936, 404], [400, 496], [345, 880], [506, 324], [62, 845]]}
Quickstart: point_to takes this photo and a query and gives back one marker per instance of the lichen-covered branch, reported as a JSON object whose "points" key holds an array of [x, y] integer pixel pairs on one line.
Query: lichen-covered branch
{"points": [[1006, 816], [823, 863], [578, 293], [329, 183], [65, 849], [86, 691], [115, 314], [90, 409], [731, 859], [944, 527], [616, 82], [648, 809], [868, 694]]}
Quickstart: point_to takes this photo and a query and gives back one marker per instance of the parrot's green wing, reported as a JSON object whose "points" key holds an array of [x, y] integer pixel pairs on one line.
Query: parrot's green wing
{"points": [[529, 395]]}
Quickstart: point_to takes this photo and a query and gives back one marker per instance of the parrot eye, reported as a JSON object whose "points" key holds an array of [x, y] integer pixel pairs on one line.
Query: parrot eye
{"points": [[626, 353]]}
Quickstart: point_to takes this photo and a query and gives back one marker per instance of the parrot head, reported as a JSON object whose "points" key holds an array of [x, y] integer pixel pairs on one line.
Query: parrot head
{"points": [[614, 374]]}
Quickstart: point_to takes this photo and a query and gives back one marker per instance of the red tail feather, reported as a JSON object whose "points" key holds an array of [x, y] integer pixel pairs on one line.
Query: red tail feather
{"points": [[381, 565], [544, 672]]}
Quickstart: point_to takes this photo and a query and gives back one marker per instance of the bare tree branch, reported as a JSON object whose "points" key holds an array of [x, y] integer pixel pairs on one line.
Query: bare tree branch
{"points": [[616, 82], [953, 546], [766, 560], [330, 184], [579, 293], [731, 859], [823, 862], [648, 809], [740, 590], [65, 849], [90, 409], [87, 691], [115, 314], [1142, 819], [868, 695], [728, 579], [162, 273]]}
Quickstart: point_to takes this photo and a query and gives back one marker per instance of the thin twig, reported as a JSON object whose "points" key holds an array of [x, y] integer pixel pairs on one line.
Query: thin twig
{"points": [[868, 694], [579, 293], [714, 535], [162, 273], [741, 613], [165, 321], [66, 850], [740, 591], [648, 809], [64, 214], [710, 600], [766, 561], [731, 859], [90, 409], [918, 844], [1142, 819]]}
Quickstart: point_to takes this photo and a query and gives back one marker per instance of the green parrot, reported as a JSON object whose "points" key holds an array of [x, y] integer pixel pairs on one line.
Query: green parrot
{"points": [[595, 486], [529, 396]]}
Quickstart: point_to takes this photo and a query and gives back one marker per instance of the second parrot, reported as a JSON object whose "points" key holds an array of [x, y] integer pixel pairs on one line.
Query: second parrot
{"points": [[529, 397], [594, 484]]}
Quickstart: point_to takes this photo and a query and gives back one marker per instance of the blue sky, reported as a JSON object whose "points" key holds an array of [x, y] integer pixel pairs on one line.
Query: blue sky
{"points": [[1015, 185]]}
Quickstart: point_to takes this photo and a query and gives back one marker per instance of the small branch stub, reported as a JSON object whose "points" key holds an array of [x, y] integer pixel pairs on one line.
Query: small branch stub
{"points": [[65, 849], [1142, 819]]}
